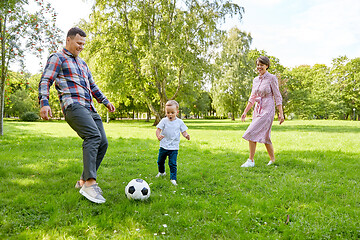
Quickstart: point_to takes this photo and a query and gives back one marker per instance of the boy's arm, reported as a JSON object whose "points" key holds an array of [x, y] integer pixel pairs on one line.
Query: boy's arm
{"points": [[158, 134], [186, 135]]}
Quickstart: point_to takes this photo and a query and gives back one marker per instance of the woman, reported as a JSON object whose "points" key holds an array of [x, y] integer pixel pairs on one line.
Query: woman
{"points": [[265, 88]]}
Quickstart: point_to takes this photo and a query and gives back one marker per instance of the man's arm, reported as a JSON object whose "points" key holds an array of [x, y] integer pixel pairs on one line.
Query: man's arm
{"points": [[48, 77]]}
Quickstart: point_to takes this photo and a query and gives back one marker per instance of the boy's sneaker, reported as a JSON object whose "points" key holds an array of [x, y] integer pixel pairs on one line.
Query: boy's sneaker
{"points": [[160, 174], [92, 193], [173, 182], [248, 163]]}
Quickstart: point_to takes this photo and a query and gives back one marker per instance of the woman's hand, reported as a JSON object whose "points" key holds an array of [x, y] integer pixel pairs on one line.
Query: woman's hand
{"points": [[281, 118], [243, 116]]}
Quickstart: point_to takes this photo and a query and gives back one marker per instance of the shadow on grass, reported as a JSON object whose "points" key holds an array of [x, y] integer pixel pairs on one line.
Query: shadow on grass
{"points": [[240, 126], [216, 198]]}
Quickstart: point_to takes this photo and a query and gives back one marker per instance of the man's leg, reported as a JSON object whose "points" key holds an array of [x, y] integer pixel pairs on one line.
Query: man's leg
{"points": [[104, 142], [80, 119]]}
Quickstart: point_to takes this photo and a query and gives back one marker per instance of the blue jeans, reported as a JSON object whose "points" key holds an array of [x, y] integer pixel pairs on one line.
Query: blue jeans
{"points": [[89, 127], [172, 154]]}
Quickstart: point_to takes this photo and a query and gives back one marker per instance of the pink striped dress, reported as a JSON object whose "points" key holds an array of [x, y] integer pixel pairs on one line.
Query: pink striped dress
{"points": [[264, 90]]}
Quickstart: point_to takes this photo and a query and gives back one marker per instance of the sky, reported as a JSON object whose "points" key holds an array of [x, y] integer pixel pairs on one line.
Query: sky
{"points": [[296, 32]]}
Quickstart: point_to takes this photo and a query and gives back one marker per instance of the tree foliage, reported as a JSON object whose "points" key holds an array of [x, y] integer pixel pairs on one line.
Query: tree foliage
{"points": [[153, 48], [232, 84], [21, 31]]}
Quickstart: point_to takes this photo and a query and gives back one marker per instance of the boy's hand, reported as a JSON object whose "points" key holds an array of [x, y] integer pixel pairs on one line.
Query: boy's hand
{"points": [[160, 137], [187, 137]]}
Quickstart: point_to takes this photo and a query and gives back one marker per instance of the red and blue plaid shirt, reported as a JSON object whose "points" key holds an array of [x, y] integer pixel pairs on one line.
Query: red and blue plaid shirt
{"points": [[73, 81]]}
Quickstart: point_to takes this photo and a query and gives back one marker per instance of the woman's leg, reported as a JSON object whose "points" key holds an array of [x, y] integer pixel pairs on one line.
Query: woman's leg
{"points": [[252, 149], [270, 150]]}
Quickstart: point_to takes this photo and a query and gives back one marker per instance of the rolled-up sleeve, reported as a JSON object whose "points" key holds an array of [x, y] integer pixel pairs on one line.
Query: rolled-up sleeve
{"points": [[276, 92], [48, 77], [252, 95], [95, 90]]}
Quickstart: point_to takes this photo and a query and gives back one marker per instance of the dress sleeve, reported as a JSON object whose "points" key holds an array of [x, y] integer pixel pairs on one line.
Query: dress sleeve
{"points": [[252, 95], [275, 90]]}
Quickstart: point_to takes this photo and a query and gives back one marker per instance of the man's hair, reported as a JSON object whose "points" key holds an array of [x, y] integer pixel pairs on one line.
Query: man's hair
{"points": [[75, 30], [172, 103], [264, 60]]}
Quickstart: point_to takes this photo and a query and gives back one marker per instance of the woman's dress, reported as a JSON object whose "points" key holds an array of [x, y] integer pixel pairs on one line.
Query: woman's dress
{"points": [[264, 90]]}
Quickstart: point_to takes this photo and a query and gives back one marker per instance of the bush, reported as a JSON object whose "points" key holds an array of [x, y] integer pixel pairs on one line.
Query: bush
{"points": [[214, 117], [29, 117]]}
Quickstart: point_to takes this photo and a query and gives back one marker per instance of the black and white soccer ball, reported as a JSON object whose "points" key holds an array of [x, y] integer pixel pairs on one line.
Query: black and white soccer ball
{"points": [[137, 189]]}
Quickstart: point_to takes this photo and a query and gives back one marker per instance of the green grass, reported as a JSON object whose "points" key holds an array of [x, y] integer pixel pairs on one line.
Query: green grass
{"points": [[315, 183]]}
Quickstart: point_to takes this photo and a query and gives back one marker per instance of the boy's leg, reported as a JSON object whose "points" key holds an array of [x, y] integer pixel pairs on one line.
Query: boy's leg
{"points": [[173, 164], [161, 160]]}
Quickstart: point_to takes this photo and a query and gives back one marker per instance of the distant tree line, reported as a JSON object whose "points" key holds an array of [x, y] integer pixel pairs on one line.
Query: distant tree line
{"points": [[143, 53]]}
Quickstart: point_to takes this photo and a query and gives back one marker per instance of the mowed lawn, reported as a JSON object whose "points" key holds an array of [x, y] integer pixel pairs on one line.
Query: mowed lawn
{"points": [[312, 192]]}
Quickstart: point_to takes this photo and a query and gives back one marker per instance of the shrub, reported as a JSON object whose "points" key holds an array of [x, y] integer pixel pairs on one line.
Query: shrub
{"points": [[29, 117], [214, 117]]}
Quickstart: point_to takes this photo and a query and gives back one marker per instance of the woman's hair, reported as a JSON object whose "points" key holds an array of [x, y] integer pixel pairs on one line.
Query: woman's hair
{"points": [[172, 103], [264, 60], [75, 30]]}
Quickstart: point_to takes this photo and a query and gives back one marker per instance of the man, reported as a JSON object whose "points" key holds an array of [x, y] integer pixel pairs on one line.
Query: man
{"points": [[76, 88]]}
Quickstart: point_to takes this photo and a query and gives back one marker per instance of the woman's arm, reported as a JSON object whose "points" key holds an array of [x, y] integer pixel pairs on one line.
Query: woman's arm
{"points": [[248, 107]]}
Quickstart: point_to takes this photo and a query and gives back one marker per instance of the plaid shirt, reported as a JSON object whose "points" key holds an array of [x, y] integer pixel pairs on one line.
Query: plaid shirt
{"points": [[73, 81]]}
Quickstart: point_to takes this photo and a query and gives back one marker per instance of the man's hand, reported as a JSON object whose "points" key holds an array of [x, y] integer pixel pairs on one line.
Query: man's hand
{"points": [[111, 107], [45, 112]]}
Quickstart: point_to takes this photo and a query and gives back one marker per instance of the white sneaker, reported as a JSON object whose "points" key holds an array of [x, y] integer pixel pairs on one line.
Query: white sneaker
{"points": [[248, 163], [92, 193], [270, 163], [173, 182], [160, 174]]}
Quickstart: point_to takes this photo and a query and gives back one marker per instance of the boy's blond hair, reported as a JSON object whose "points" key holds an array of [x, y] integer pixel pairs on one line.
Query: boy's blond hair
{"points": [[172, 103]]}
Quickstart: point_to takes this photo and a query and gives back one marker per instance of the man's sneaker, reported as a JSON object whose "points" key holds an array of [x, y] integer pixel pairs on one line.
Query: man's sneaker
{"points": [[77, 185], [173, 182], [160, 174], [92, 193], [248, 163]]}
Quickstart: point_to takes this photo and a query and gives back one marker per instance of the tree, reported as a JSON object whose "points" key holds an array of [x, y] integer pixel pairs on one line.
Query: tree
{"points": [[20, 94], [22, 31], [232, 86], [152, 48], [345, 78]]}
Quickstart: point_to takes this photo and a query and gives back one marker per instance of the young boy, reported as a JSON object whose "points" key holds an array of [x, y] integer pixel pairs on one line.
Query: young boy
{"points": [[168, 132]]}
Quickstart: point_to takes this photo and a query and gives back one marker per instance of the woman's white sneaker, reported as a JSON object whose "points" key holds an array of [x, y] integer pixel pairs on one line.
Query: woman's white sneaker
{"points": [[270, 163], [248, 163]]}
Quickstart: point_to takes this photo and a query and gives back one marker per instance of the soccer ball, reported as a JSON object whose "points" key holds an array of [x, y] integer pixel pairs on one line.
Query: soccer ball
{"points": [[137, 189]]}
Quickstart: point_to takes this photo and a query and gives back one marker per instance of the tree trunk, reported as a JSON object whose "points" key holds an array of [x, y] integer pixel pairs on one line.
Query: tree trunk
{"points": [[148, 115], [2, 79], [2, 105]]}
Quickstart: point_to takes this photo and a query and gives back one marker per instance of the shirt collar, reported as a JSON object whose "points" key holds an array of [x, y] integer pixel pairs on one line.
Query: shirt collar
{"points": [[68, 53], [264, 75]]}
